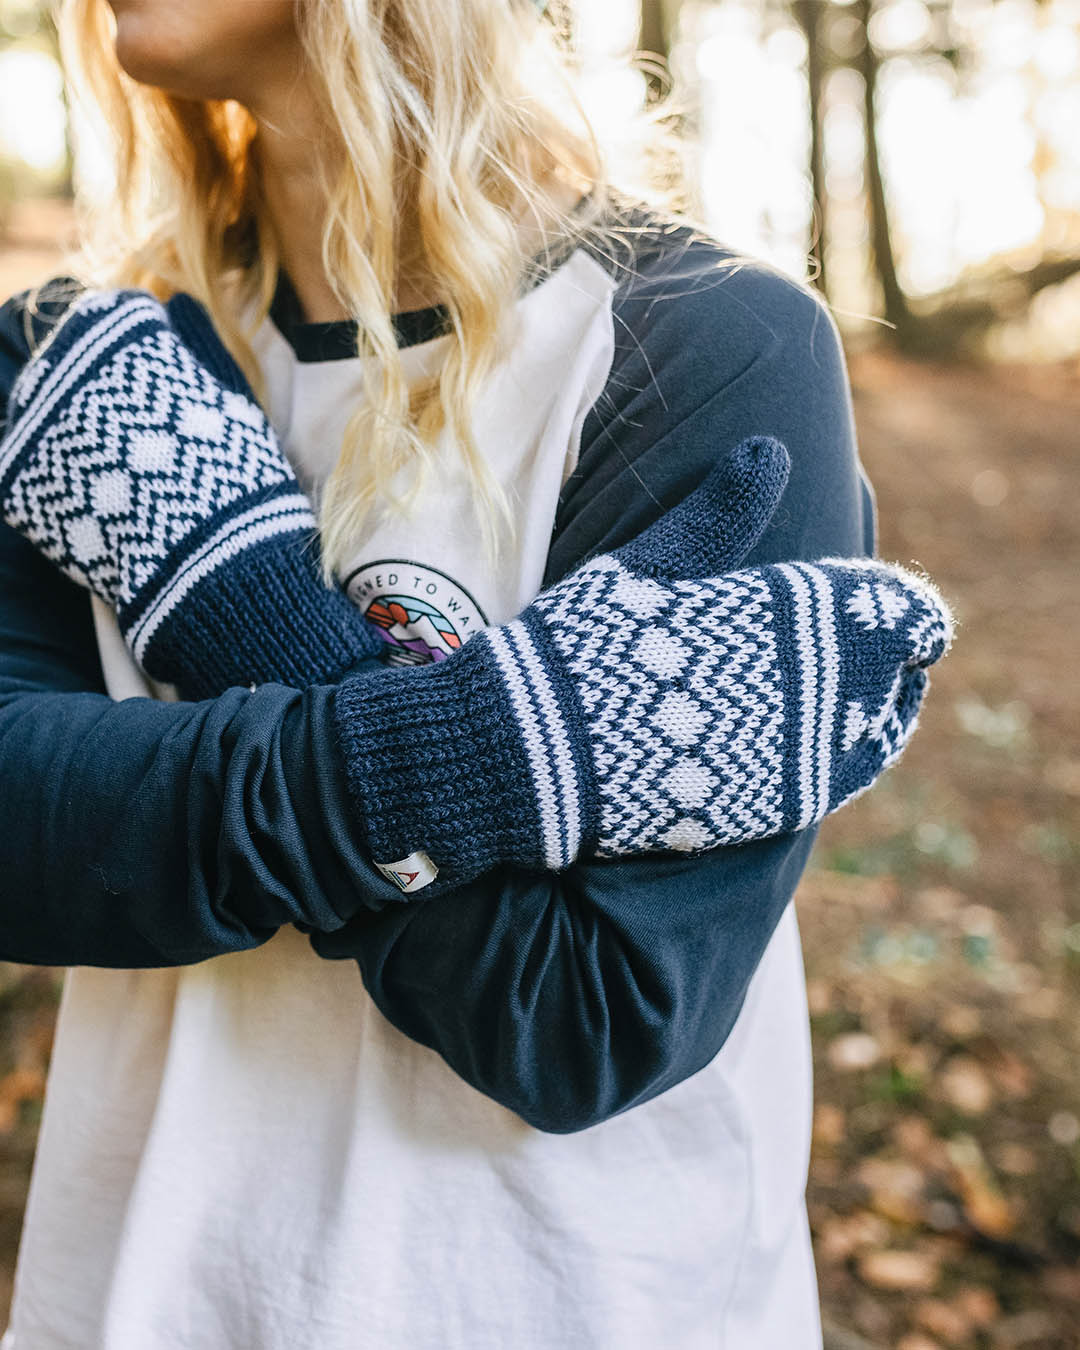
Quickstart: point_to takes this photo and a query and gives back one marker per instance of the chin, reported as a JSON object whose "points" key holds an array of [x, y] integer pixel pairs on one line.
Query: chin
{"points": [[151, 59], [205, 49]]}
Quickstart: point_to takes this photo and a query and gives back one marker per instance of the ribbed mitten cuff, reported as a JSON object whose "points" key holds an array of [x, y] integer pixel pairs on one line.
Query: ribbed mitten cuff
{"points": [[247, 606], [457, 764]]}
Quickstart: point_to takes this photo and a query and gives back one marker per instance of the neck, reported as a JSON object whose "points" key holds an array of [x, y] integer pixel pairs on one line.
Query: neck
{"points": [[296, 203]]}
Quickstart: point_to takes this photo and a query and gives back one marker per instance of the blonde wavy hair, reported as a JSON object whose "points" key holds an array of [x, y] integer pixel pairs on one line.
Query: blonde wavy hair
{"points": [[450, 154]]}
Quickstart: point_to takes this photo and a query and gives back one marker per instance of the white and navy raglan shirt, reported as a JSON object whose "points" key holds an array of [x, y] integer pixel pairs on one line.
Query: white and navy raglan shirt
{"points": [[290, 1107]]}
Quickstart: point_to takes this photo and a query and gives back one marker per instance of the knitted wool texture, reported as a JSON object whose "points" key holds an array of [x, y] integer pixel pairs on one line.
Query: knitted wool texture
{"points": [[136, 458], [636, 707]]}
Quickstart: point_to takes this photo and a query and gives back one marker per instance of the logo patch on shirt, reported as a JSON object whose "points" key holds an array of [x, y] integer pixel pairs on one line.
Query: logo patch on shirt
{"points": [[423, 614]]}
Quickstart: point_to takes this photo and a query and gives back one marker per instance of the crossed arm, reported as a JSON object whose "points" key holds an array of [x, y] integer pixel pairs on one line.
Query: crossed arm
{"points": [[142, 833]]}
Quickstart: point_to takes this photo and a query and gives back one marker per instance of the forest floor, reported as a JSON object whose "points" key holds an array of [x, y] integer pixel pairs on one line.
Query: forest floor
{"points": [[940, 912]]}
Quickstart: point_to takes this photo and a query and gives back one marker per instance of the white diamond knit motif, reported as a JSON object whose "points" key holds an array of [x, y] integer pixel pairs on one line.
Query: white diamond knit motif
{"points": [[874, 604], [685, 718], [110, 493]]}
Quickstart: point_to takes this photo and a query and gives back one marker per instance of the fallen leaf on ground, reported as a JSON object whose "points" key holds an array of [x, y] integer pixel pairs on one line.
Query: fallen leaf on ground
{"points": [[966, 1086], [947, 1321], [911, 1272], [915, 1340], [829, 1124], [984, 1205], [856, 1050], [978, 1304], [895, 1186], [1015, 1160], [847, 1234]]}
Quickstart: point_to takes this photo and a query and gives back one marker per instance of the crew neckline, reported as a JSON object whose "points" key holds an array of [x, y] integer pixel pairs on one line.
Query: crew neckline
{"points": [[335, 339]]}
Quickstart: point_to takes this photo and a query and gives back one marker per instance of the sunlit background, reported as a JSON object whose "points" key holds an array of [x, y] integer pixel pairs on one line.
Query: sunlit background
{"points": [[977, 121], [919, 162]]}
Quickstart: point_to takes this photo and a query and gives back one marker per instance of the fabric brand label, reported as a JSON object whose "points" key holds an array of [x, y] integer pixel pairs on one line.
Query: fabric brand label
{"points": [[410, 874]]}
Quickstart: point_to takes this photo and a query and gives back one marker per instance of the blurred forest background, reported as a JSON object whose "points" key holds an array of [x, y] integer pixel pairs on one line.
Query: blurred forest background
{"points": [[919, 162]]}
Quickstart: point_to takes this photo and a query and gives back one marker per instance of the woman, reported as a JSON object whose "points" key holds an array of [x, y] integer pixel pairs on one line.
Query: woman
{"points": [[257, 1150]]}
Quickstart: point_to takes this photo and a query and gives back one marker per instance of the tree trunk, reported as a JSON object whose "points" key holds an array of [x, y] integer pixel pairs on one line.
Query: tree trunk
{"points": [[809, 15], [896, 306]]}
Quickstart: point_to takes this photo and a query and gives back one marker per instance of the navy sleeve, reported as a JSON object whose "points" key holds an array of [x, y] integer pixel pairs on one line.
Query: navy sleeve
{"points": [[710, 349], [143, 833], [570, 997], [140, 833]]}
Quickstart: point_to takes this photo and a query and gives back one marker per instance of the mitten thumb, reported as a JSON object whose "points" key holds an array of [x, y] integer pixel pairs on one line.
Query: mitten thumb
{"points": [[192, 325], [712, 530]]}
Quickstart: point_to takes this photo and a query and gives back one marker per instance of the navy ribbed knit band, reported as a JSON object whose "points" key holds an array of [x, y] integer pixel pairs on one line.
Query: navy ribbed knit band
{"points": [[261, 616], [430, 751]]}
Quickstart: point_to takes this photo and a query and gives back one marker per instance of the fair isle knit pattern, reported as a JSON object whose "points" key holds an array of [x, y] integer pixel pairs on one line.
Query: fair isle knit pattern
{"points": [[147, 478], [682, 693], [725, 710], [133, 446]]}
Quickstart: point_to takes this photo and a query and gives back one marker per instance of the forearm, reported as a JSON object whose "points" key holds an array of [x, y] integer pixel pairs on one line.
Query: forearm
{"points": [[141, 833], [550, 759], [566, 996], [570, 997]]}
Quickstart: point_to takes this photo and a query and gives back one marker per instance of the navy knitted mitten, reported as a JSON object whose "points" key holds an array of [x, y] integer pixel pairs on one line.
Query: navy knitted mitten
{"points": [[137, 459], [634, 707]]}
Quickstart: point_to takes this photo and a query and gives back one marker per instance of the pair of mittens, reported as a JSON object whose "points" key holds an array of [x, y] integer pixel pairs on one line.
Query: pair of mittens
{"points": [[653, 700]]}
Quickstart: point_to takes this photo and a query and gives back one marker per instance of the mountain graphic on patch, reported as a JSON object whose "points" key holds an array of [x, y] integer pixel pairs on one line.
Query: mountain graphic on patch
{"points": [[417, 631]]}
